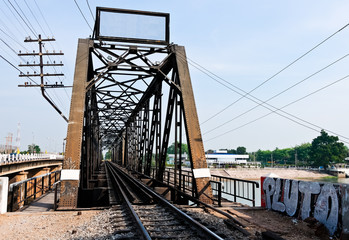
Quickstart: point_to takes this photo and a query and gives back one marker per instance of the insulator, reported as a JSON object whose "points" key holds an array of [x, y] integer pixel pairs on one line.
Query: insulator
{"points": [[33, 51], [54, 51], [46, 51], [20, 51], [54, 61], [27, 62]]}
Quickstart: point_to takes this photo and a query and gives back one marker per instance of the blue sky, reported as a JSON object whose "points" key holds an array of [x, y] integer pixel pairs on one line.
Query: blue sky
{"points": [[242, 42]]}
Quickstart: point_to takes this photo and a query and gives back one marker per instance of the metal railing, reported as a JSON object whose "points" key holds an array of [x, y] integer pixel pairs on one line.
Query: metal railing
{"points": [[233, 188], [238, 188], [16, 158], [23, 192]]}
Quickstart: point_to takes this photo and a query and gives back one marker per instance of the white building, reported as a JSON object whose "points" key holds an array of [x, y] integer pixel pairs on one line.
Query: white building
{"points": [[226, 159]]}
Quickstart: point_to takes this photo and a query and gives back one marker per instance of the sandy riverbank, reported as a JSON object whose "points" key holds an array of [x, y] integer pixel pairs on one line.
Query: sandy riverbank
{"points": [[256, 174]]}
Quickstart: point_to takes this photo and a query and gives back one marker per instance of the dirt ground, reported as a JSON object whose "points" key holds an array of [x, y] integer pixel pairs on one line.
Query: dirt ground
{"points": [[66, 225], [262, 220], [41, 225]]}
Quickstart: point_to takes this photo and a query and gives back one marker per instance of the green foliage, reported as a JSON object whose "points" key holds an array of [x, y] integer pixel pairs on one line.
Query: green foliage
{"points": [[107, 155], [171, 149], [326, 149], [284, 156], [33, 149], [241, 150], [232, 151]]}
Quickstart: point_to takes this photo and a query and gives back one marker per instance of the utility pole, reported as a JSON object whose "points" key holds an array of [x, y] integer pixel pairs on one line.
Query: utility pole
{"points": [[41, 74], [295, 159], [271, 158]]}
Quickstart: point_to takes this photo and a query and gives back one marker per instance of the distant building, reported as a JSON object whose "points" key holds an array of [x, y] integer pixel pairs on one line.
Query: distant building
{"points": [[221, 159], [171, 158]]}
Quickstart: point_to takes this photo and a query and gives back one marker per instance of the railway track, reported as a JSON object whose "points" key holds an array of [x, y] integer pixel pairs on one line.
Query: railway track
{"points": [[144, 214]]}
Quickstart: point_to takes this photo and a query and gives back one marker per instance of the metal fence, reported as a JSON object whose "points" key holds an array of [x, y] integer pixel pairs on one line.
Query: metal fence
{"points": [[230, 188], [23, 192], [238, 188]]}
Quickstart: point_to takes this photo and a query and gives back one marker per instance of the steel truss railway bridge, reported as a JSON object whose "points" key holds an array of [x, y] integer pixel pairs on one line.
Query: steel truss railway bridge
{"points": [[132, 94]]}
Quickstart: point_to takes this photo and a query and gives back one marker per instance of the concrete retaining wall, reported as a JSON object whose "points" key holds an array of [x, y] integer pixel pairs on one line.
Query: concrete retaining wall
{"points": [[326, 202], [3, 194]]}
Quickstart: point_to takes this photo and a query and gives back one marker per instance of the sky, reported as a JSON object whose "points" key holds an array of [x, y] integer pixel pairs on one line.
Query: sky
{"points": [[233, 47]]}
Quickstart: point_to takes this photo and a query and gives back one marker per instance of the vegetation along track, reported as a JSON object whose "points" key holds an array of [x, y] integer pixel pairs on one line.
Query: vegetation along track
{"points": [[144, 214]]}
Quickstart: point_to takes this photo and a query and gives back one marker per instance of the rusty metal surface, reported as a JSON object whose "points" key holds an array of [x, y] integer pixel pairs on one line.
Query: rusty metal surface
{"points": [[195, 143], [69, 190], [126, 98]]}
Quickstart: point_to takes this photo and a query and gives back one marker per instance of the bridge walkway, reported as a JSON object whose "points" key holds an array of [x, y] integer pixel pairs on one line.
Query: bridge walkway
{"points": [[43, 204]]}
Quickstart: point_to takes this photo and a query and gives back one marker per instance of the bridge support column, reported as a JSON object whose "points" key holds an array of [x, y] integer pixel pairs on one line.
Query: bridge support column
{"points": [[18, 193], [70, 175], [3, 194]]}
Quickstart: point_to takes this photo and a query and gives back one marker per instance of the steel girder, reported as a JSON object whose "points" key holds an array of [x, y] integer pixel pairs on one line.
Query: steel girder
{"points": [[118, 104]]}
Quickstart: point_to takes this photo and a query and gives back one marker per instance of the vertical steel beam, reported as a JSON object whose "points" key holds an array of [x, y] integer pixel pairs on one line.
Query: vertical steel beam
{"points": [[71, 165], [195, 144]]}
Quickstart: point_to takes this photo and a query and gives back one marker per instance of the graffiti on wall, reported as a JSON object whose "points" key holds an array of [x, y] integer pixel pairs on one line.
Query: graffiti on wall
{"points": [[303, 199]]}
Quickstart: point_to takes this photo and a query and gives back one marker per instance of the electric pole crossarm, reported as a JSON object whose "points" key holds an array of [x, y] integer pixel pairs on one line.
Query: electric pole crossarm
{"points": [[44, 65], [45, 86], [41, 40], [41, 75], [38, 54]]}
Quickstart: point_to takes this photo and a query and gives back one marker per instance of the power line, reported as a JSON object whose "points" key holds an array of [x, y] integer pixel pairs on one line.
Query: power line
{"points": [[276, 95], [88, 4], [251, 98], [16, 68], [279, 109], [42, 15], [270, 78], [24, 15], [20, 24], [22, 19], [82, 14]]}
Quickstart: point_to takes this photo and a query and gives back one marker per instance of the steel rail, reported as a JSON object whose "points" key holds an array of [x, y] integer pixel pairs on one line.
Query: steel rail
{"points": [[144, 233], [201, 229], [236, 224]]}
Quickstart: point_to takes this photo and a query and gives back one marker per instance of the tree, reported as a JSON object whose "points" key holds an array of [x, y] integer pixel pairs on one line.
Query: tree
{"points": [[107, 155], [171, 149], [303, 152], [241, 150], [326, 150], [232, 151], [33, 148]]}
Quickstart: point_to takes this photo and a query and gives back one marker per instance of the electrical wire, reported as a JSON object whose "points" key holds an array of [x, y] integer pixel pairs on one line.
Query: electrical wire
{"points": [[275, 111], [22, 19], [88, 4], [15, 16], [17, 69], [273, 76], [82, 14], [278, 94], [252, 98]]}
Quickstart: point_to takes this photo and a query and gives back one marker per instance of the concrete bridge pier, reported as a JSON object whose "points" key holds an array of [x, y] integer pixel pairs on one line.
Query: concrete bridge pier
{"points": [[17, 193]]}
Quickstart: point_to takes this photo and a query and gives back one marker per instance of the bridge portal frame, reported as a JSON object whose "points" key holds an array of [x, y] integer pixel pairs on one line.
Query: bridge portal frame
{"points": [[129, 120]]}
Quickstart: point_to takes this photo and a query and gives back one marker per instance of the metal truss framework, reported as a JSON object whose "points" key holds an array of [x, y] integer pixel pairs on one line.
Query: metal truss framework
{"points": [[130, 99]]}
